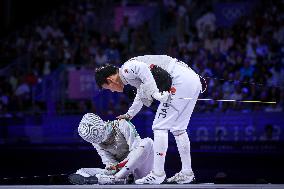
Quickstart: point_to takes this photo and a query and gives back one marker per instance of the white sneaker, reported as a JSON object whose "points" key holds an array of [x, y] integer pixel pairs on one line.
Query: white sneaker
{"points": [[151, 178], [181, 178], [109, 179]]}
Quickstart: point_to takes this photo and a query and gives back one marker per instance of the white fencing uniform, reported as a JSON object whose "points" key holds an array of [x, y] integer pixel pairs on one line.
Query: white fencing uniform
{"points": [[176, 114], [123, 145], [173, 115]]}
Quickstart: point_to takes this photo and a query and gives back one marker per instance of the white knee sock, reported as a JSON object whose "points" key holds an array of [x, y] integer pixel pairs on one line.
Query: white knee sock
{"points": [[160, 150], [183, 145]]}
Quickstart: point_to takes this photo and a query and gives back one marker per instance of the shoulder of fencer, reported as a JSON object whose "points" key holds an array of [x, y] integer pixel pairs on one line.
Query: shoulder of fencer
{"points": [[132, 67], [125, 125], [122, 124]]}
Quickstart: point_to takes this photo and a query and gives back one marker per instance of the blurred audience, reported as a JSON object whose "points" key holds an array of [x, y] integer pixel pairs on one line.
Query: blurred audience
{"points": [[244, 62]]}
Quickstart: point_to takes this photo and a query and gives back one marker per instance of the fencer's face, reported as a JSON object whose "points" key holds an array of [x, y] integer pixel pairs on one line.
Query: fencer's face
{"points": [[114, 84]]}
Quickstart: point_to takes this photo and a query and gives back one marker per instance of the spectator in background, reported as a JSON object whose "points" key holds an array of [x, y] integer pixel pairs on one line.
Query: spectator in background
{"points": [[70, 35], [182, 21], [4, 100], [262, 48], [13, 80], [226, 42], [247, 70], [101, 57], [23, 89], [46, 67], [173, 50], [169, 6], [112, 52], [277, 75], [93, 47], [278, 33], [211, 43], [206, 24], [124, 32]]}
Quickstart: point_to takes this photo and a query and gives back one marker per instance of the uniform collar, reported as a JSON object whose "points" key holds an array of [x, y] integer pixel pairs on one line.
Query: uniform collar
{"points": [[120, 73]]}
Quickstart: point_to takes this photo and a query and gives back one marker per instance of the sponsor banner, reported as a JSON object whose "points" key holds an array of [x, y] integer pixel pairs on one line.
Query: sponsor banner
{"points": [[81, 84]]}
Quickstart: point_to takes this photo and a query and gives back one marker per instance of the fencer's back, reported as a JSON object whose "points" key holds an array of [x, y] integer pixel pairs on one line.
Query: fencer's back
{"points": [[160, 60], [119, 147]]}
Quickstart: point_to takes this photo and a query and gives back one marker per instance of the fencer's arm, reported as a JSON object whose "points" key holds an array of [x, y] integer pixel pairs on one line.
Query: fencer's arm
{"points": [[130, 134], [107, 158], [137, 69], [135, 107]]}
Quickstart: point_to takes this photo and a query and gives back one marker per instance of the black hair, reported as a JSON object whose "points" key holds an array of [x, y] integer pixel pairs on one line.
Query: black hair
{"points": [[162, 77], [103, 72]]}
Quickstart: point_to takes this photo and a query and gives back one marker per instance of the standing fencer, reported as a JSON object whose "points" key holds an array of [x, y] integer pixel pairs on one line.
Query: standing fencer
{"points": [[120, 147], [154, 76]]}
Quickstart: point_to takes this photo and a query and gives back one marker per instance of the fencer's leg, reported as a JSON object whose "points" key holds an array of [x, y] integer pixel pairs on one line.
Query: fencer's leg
{"points": [[90, 171], [183, 145], [147, 166], [82, 172], [157, 176], [160, 150], [186, 174], [136, 158], [85, 176]]}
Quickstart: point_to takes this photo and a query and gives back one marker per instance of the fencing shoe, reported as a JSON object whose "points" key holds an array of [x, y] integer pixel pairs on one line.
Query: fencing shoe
{"points": [[110, 179], [151, 178], [182, 178], [78, 179]]}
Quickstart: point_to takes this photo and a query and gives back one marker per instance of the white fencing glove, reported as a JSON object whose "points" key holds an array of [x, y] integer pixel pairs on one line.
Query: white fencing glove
{"points": [[164, 96], [124, 116]]}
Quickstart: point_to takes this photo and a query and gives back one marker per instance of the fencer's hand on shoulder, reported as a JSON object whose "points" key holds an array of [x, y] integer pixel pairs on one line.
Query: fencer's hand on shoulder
{"points": [[164, 96], [124, 116]]}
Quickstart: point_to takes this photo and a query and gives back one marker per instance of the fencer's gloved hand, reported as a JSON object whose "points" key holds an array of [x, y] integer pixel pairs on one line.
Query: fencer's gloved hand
{"points": [[124, 116], [111, 169], [110, 172], [164, 96]]}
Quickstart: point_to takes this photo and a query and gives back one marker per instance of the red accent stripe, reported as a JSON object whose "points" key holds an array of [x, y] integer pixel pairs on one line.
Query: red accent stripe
{"points": [[172, 90], [122, 164]]}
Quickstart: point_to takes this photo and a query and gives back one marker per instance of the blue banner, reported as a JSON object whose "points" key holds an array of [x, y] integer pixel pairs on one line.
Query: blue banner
{"points": [[203, 127], [228, 13]]}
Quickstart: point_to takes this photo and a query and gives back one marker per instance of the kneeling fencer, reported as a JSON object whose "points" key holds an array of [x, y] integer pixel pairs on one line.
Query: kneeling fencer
{"points": [[170, 81], [120, 147]]}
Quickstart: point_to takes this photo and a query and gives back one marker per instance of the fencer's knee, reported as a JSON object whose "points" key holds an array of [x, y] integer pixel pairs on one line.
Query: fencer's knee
{"points": [[146, 143], [179, 132], [160, 131]]}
